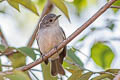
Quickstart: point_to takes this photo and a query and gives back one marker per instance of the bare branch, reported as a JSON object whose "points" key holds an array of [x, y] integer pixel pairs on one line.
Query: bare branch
{"points": [[6, 65], [117, 7], [47, 9], [3, 41]]}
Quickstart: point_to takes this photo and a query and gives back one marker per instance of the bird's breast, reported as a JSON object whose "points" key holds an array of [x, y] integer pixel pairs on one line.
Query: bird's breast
{"points": [[49, 38]]}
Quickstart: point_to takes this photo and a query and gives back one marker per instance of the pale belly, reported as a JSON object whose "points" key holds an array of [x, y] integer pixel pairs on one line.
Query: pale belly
{"points": [[49, 39]]}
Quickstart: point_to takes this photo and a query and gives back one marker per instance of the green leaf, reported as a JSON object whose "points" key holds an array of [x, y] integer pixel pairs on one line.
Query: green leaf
{"points": [[28, 4], [80, 4], [18, 60], [103, 76], [18, 75], [28, 52], [41, 4], [2, 48], [47, 73], [1, 0], [71, 54], [110, 24], [117, 3], [60, 4], [74, 70], [92, 2], [14, 4], [67, 65], [83, 38], [75, 75], [102, 55], [111, 27], [86, 76], [93, 29]]}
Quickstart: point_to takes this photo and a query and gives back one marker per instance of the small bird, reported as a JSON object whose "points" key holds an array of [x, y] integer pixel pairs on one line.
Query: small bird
{"points": [[50, 35]]}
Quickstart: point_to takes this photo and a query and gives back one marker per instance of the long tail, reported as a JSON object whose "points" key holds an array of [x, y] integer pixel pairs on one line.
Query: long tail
{"points": [[56, 68]]}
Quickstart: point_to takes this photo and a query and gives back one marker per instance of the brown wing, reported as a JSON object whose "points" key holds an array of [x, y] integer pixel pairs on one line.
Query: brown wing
{"points": [[37, 38], [63, 53]]}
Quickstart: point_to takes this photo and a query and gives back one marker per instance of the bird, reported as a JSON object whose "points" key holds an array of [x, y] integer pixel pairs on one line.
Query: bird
{"points": [[49, 36]]}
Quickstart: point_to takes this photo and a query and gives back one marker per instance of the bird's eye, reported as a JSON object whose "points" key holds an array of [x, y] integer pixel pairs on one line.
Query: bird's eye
{"points": [[50, 20]]}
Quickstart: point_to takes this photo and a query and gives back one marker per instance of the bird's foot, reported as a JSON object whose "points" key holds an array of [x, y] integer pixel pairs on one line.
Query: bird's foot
{"points": [[42, 56]]}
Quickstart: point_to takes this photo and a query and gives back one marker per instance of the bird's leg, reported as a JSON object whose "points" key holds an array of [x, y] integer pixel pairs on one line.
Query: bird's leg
{"points": [[56, 47], [42, 56]]}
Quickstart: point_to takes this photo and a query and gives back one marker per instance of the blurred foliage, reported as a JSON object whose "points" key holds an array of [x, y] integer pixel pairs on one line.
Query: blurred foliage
{"points": [[60, 4], [17, 75], [28, 52], [1, 0], [76, 74], [14, 4], [117, 3], [104, 76], [2, 48], [26, 3], [46, 72], [114, 71], [41, 4], [80, 4], [18, 60], [110, 24], [71, 54], [102, 55], [86, 76], [68, 64]]}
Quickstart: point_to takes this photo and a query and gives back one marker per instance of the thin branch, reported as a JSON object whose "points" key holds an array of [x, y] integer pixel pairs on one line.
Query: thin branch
{"points": [[6, 65], [3, 41], [71, 37], [115, 39], [47, 9], [34, 75], [36, 70], [80, 52], [117, 7]]}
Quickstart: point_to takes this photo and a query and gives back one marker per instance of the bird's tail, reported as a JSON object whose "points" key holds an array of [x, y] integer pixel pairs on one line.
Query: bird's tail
{"points": [[56, 68]]}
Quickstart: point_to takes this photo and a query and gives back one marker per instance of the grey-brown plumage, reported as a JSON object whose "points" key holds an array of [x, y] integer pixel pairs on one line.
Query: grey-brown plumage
{"points": [[49, 35]]}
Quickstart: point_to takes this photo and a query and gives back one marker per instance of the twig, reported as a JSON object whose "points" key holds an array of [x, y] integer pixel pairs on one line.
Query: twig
{"points": [[80, 52], [6, 65], [47, 9], [3, 41], [34, 75], [117, 7], [71, 37], [115, 39], [36, 70]]}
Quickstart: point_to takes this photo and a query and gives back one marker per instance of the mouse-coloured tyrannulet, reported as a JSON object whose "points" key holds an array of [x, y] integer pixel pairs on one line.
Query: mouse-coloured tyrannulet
{"points": [[50, 35]]}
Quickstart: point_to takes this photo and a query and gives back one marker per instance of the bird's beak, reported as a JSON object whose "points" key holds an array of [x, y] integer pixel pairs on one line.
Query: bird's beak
{"points": [[57, 17]]}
